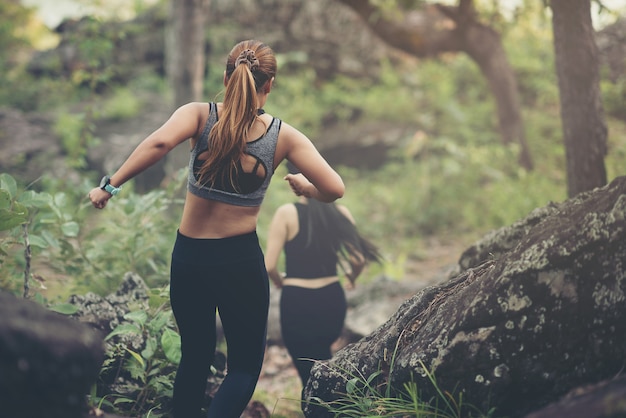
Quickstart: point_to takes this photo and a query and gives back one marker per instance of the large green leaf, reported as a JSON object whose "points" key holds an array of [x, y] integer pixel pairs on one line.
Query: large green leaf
{"points": [[5, 199], [124, 329], [9, 219], [136, 356], [30, 198], [170, 341], [138, 317], [70, 229], [151, 346], [37, 241], [8, 183], [64, 308]]}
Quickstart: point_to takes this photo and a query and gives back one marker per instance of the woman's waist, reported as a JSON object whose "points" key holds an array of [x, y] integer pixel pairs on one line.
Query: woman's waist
{"points": [[205, 251], [211, 219], [310, 283]]}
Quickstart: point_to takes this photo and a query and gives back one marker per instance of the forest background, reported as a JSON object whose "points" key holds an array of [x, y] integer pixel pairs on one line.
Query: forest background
{"points": [[447, 181]]}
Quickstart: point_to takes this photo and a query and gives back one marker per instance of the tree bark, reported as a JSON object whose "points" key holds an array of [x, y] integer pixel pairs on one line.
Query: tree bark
{"points": [[436, 29], [185, 65], [185, 49], [582, 114]]}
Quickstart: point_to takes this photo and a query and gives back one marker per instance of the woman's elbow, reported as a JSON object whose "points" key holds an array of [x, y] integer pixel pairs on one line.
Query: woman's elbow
{"points": [[271, 267], [336, 191]]}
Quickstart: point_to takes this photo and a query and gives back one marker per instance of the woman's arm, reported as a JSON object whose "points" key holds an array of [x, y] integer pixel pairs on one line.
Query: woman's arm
{"points": [[184, 123], [276, 238], [317, 180]]}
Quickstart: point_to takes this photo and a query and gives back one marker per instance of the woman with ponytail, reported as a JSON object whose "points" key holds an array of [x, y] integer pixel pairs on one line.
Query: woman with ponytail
{"points": [[316, 238], [217, 263]]}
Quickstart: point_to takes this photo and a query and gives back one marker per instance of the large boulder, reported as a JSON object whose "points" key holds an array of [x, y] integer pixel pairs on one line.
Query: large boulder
{"points": [[606, 399], [518, 327], [48, 362]]}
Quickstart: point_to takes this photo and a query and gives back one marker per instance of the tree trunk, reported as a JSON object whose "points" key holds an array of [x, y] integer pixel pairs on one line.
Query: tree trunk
{"points": [[582, 115], [436, 29], [185, 45], [185, 63]]}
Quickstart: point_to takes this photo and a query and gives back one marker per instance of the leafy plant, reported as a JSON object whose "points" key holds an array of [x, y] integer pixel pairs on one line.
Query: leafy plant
{"points": [[18, 218], [134, 233], [141, 381], [76, 131]]}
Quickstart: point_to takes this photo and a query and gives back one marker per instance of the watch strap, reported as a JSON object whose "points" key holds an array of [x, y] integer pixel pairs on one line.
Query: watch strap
{"points": [[112, 189], [105, 184]]}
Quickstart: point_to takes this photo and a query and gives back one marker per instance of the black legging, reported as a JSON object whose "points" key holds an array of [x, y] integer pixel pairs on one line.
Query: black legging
{"points": [[311, 320], [228, 274]]}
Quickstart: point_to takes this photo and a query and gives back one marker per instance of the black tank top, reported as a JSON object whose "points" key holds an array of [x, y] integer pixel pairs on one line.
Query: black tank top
{"points": [[308, 261]]}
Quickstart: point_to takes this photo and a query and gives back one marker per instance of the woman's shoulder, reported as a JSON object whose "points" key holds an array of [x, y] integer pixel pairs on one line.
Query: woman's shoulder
{"points": [[286, 208], [197, 106], [345, 212], [285, 214], [201, 109]]}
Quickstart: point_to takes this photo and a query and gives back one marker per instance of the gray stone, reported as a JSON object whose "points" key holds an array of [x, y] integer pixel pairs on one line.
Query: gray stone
{"points": [[48, 362], [543, 315]]}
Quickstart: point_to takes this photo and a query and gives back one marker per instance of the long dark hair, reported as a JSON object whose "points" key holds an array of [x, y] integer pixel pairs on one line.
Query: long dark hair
{"points": [[327, 226], [249, 66]]}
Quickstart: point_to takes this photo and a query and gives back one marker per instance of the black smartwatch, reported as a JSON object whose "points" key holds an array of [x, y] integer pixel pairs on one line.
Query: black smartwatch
{"points": [[105, 184]]}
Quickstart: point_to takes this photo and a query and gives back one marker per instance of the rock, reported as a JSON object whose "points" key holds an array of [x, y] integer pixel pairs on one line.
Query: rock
{"points": [[255, 409], [48, 361], [543, 316], [602, 400], [106, 313], [29, 149]]}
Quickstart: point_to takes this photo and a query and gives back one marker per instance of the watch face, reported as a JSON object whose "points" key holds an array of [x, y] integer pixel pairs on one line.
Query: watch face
{"points": [[104, 181]]}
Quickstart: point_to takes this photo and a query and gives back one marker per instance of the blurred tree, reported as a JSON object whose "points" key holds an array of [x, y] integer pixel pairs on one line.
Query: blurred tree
{"points": [[427, 30], [185, 56], [582, 114], [185, 49]]}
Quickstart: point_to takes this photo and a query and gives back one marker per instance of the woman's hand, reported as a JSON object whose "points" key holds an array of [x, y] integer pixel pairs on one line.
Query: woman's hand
{"points": [[350, 284], [99, 197], [300, 185]]}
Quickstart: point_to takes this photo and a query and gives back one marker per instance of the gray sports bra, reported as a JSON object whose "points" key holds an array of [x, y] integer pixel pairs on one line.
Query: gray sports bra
{"points": [[250, 188]]}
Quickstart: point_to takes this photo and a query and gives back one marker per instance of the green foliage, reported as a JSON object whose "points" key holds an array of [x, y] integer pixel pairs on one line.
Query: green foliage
{"points": [[76, 131], [435, 193], [147, 375], [614, 97], [133, 233], [95, 53], [94, 254], [12, 36], [13, 42], [19, 221], [122, 104], [306, 112], [12, 212]]}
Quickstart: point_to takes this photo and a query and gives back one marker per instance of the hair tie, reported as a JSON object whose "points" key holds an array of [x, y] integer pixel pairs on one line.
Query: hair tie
{"points": [[247, 57]]}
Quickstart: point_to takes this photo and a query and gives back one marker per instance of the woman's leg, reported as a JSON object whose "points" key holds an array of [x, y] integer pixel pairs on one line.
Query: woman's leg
{"points": [[193, 305], [229, 274], [311, 320], [243, 306]]}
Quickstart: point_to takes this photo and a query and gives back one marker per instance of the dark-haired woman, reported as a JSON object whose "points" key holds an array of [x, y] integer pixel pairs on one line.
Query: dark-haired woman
{"points": [[217, 263], [316, 238]]}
